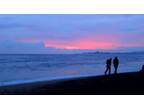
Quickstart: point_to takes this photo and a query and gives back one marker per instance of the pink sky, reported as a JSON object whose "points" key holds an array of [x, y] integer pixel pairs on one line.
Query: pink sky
{"points": [[85, 42], [88, 41], [83, 31]]}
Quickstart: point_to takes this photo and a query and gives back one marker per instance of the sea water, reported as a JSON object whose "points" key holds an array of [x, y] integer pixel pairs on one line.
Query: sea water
{"points": [[22, 68]]}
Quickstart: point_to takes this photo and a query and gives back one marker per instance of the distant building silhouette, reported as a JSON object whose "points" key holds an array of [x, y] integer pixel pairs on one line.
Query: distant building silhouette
{"points": [[116, 64], [108, 66]]}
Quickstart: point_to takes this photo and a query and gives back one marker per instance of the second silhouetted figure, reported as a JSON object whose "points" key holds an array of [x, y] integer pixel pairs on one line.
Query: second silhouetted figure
{"points": [[116, 64]]}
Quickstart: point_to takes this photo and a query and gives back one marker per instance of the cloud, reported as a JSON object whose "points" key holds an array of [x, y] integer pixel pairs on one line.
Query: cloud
{"points": [[88, 41], [81, 42], [71, 32]]}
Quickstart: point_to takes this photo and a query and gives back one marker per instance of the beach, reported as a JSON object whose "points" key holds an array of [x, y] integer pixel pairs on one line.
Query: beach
{"points": [[130, 83], [70, 74]]}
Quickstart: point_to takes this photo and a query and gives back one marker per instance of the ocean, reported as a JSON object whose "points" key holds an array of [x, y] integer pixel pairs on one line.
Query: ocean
{"points": [[24, 68]]}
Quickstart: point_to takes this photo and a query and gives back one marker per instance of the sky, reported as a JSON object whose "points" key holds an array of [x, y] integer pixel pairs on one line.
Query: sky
{"points": [[70, 33]]}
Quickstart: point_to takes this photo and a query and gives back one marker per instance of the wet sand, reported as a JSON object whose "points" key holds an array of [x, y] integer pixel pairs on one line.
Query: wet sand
{"points": [[131, 83]]}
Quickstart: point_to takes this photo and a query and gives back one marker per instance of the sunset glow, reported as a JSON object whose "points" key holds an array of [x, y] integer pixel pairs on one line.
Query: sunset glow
{"points": [[80, 44], [61, 33]]}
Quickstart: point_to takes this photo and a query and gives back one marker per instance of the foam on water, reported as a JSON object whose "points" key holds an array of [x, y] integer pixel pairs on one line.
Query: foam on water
{"points": [[29, 68]]}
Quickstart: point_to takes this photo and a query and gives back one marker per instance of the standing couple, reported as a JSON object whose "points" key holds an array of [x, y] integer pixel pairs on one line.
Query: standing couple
{"points": [[109, 63]]}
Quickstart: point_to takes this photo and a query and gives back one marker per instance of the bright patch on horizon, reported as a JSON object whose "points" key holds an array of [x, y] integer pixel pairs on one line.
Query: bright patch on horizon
{"points": [[84, 44], [42, 33]]}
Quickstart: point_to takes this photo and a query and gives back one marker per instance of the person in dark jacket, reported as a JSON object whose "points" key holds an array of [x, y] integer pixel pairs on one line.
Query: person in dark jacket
{"points": [[108, 66], [116, 64]]}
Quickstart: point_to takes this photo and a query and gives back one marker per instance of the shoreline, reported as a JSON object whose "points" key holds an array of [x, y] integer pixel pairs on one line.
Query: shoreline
{"points": [[123, 83], [52, 80]]}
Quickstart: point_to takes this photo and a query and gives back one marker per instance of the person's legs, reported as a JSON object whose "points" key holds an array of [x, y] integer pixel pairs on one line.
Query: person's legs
{"points": [[116, 68], [106, 70], [109, 70]]}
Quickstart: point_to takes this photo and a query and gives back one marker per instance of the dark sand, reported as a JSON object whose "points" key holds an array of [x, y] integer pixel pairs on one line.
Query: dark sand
{"points": [[124, 83]]}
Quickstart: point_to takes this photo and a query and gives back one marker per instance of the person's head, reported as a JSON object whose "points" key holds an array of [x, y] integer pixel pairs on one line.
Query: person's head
{"points": [[116, 57], [110, 59]]}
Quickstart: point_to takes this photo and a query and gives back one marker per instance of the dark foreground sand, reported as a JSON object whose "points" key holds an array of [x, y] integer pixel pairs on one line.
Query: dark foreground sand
{"points": [[124, 83]]}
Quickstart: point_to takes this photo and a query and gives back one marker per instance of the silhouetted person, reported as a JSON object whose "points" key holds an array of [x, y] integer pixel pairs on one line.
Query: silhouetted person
{"points": [[108, 66], [142, 70], [116, 64]]}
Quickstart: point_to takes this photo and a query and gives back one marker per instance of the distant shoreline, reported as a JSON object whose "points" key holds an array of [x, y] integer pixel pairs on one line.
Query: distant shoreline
{"points": [[92, 52]]}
